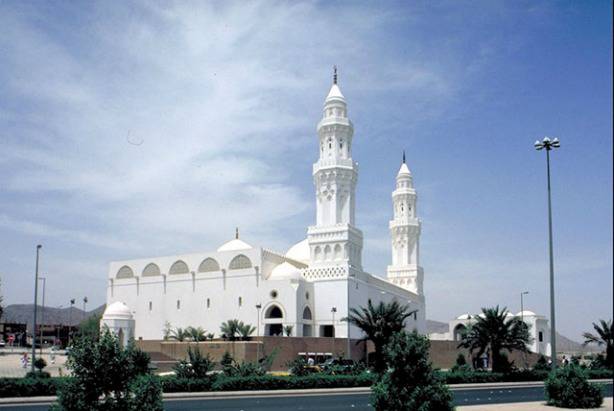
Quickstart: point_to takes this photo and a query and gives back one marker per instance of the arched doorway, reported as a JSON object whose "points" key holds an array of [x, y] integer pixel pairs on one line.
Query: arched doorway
{"points": [[273, 318]]}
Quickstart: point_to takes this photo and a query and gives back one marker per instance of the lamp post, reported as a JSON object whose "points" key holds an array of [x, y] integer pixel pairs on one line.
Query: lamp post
{"points": [[84, 304], [549, 145], [44, 280], [72, 302], [333, 311], [38, 247], [258, 308], [522, 294]]}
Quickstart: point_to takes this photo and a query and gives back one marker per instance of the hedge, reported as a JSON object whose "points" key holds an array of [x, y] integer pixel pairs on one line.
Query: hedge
{"points": [[30, 387]]}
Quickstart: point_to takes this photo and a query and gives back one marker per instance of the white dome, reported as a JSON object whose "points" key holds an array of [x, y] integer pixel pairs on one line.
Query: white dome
{"points": [[464, 317], [117, 311], [234, 245], [285, 271], [300, 252], [526, 313]]}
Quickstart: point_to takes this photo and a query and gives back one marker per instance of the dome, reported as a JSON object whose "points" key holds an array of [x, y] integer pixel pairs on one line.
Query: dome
{"points": [[526, 313], [464, 317], [117, 311], [234, 245], [300, 252], [285, 271]]}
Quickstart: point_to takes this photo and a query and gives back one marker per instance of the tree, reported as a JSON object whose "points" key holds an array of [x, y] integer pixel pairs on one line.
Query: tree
{"points": [[569, 387], [410, 383], [288, 330], [604, 337], [196, 334], [167, 330], [230, 329], [197, 365], [245, 330], [108, 377], [90, 327], [179, 334], [493, 332], [379, 323]]}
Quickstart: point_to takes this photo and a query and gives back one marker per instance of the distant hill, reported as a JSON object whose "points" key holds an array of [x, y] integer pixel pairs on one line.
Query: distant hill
{"points": [[563, 344], [22, 313]]}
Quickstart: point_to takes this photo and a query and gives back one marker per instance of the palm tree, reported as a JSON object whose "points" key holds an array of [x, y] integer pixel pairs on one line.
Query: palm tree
{"points": [[379, 323], [493, 332], [196, 334], [179, 334], [288, 330], [605, 336], [245, 330], [230, 329]]}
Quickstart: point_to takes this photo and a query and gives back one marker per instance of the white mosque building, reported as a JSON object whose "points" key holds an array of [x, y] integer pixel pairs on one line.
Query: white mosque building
{"points": [[311, 287]]}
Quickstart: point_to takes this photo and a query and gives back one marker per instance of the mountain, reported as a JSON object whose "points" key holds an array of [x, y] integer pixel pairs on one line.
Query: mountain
{"points": [[22, 313]]}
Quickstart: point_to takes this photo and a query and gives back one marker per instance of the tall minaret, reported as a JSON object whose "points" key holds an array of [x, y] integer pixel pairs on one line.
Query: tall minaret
{"points": [[405, 270], [334, 240]]}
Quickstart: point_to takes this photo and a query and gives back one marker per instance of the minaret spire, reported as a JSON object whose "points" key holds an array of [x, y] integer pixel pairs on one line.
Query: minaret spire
{"points": [[335, 74], [237, 233], [403, 156]]}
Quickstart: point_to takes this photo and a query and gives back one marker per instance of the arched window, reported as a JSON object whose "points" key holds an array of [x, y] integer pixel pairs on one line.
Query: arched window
{"points": [[151, 270], [208, 264], [240, 262], [459, 330], [273, 312], [125, 272], [330, 143], [307, 314], [337, 252], [179, 267]]}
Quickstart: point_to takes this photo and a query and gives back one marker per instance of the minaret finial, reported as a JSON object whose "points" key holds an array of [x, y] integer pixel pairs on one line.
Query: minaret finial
{"points": [[237, 233], [335, 74], [403, 156]]}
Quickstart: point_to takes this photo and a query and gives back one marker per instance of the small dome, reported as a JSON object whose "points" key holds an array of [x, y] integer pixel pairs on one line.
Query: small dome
{"points": [[300, 252], [526, 313], [117, 311], [285, 271], [404, 170], [464, 317], [234, 245]]}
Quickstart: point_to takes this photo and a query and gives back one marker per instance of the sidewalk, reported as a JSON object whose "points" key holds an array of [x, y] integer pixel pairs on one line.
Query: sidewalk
{"points": [[527, 406]]}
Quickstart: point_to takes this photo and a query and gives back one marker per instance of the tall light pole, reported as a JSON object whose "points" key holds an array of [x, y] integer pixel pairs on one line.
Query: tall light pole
{"points": [[258, 308], [549, 145], [72, 302], [522, 294], [333, 311], [38, 247], [84, 304], [44, 280]]}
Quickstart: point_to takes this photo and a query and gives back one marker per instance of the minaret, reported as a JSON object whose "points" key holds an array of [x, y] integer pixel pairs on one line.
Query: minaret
{"points": [[405, 270], [334, 240]]}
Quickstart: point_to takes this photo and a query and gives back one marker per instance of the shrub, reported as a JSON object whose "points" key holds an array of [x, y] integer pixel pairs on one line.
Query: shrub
{"points": [[40, 363], [270, 382], [568, 387], [38, 374], [542, 364], [197, 366], [29, 387], [461, 364], [174, 384], [409, 383], [146, 391], [299, 367]]}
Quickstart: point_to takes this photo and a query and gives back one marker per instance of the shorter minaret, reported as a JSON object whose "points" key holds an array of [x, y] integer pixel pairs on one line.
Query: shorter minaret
{"points": [[405, 270]]}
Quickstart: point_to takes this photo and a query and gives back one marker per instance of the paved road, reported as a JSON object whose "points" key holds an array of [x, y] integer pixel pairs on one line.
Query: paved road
{"points": [[354, 402]]}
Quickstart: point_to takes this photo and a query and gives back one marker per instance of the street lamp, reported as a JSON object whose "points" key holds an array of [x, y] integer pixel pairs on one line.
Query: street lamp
{"points": [[522, 294], [84, 304], [72, 302], [333, 311], [38, 247], [549, 145], [258, 308], [44, 280]]}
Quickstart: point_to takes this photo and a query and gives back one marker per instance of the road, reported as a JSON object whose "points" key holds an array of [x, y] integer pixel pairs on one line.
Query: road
{"points": [[354, 402]]}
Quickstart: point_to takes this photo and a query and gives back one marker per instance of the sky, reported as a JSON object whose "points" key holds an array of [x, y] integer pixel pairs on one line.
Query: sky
{"points": [[139, 129]]}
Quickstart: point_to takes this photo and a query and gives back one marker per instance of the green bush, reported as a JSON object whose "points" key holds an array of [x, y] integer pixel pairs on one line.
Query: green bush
{"points": [[568, 387], [271, 382], [198, 365], [38, 374], [409, 384], [40, 363], [174, 384], [146, 391], [541, 364], [29, 387]]}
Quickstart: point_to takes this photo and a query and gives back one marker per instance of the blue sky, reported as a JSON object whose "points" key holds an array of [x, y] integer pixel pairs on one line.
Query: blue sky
{"points": [[224, 98]]}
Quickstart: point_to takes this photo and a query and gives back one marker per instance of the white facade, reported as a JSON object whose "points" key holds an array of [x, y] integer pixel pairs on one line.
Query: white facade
{"points": [[311, 287], [538, 330]]}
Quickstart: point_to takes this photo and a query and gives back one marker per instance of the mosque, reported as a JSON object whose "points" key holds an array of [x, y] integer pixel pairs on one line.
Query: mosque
{"points": [[311, 287]]}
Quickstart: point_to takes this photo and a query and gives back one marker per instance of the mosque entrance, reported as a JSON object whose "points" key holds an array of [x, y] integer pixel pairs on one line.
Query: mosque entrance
{"points": [[274, 329]]}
